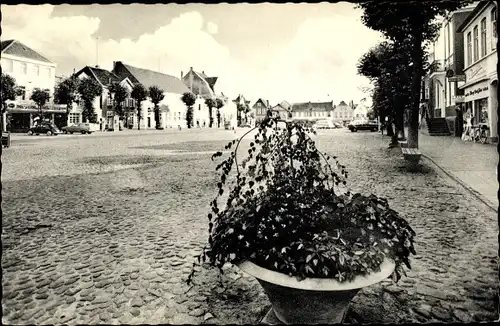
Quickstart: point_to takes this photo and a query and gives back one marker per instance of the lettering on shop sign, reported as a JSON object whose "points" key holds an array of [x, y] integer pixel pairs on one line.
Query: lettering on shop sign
{"points": [[476, 91]]}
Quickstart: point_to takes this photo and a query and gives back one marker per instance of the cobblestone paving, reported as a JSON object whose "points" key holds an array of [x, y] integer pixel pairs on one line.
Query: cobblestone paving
{"points": [[104, 230]]}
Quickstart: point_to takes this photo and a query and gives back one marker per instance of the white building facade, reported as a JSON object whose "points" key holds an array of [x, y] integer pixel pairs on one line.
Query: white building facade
{"points": [[481, 81], [31, 70]]}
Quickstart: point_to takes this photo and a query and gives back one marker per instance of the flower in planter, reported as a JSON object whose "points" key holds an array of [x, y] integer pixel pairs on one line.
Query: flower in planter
{"points": [[285, 211]]}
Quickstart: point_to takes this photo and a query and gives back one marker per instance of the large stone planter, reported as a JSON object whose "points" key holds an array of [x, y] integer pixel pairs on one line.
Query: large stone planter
{"points": [[313, 300]]}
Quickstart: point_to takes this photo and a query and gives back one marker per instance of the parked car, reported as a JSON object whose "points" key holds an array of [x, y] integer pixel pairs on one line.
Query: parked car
{"points": [[47, 128], [338, 125], [356, 125], [83, 128], [324, 124]]}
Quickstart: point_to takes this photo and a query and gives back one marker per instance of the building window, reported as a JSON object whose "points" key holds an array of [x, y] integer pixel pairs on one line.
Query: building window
{"points": [[476, 43], [24, 68], [74, 118], [483, 37], [7, 65], [469, 49], [47, 72], [36, 70], [22, 92], [494, 28], [199, 107]]}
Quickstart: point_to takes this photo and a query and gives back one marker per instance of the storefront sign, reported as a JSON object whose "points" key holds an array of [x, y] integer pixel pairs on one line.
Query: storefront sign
{"points": [[476, 91], [459, 99]]}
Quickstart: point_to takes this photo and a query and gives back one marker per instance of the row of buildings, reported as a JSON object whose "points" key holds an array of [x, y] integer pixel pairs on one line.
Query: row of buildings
{"points": [[32, 70], [342, 113], [465, 77]]}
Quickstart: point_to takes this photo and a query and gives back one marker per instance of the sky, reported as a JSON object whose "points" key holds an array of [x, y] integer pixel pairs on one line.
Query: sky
{"points": [[293, 52]]}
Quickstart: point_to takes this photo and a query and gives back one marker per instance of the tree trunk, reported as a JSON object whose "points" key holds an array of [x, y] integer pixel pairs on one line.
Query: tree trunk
{"points": [[417, 57], [139, 117], [157, 117], [211, 117]]}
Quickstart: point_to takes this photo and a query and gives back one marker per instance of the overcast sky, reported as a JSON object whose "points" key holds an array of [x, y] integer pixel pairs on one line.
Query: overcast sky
{"points": [[293, 52]]}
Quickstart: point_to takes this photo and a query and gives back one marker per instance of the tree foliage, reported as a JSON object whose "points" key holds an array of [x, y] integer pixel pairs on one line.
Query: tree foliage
{"points": [[40, 97], [156, 94], [67, 92], [189, 99], [119, 94], [9, 90], [139, 94], [89, 89], [219, 103]]}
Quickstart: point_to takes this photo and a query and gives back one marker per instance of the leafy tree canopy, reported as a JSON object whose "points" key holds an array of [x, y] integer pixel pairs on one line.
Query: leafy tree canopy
{"points": [[67, 91], [8, 88], [40, 97], [156, 94], [189, 99], [139, 93], [89, 89]]}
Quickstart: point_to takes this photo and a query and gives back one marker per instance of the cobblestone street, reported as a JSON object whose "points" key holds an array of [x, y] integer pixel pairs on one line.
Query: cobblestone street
{"points": [[103, 229]]}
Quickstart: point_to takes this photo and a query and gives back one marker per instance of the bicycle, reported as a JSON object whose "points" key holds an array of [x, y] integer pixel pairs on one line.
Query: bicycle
{"points": [[481, 133]]}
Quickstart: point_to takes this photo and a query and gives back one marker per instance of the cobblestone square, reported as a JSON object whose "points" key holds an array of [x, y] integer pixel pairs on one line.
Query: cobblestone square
{"points": [[104, 229]]}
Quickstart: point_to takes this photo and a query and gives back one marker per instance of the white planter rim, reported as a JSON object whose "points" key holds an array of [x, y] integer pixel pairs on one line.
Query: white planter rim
{"points": [[318, 284]]}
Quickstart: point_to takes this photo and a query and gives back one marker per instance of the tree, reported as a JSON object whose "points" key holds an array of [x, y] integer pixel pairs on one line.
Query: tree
{"points": [[120, 94], [156, 95], [189, 100], [9, 92], [416, 24], [89, 89], [67, 92], [210, 103], [139, 94], [387, 67], [40, 97], [219, 103]]}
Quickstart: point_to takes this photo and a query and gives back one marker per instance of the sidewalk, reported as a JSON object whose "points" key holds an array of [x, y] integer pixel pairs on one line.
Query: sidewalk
{"points": [[473, 164]]}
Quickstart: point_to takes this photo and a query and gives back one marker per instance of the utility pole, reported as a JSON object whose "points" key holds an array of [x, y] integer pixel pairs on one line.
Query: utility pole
{"points": [[97, 51]]}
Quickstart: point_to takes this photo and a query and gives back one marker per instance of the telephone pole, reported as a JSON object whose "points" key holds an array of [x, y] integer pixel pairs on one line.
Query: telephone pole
{"points": [[97, 51]]}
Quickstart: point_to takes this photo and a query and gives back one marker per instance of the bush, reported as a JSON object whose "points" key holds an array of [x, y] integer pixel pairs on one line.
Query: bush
{"points": [[285, 212]]}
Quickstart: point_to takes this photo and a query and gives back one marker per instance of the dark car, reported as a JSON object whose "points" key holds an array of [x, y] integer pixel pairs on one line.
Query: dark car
{"points": [[47, 128], [356, 125]]}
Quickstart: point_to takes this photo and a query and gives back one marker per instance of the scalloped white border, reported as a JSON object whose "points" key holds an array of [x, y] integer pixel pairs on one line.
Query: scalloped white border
{"points": [[317, 284]]}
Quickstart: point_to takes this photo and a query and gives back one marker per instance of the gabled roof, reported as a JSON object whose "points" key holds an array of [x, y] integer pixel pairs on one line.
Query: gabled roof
{"points": [[312, 106], [103, 76], [285, 104], [342, 103], [18, 49], [279, 107], [148, 78], [264, 102], [473, 15]]}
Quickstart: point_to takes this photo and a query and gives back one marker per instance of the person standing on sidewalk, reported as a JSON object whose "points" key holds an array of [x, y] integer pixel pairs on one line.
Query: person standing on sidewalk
{"points": [[459, 122]]}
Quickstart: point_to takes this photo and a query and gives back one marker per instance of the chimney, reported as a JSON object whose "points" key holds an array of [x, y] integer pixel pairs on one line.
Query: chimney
{"points": [[190, 68], [182, 74], [97, 66], [203, 71]]}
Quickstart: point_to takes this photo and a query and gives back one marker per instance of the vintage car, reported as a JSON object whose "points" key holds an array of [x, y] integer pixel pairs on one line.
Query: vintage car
{"points": [[363, 124], [83, 128], [45, 127]]}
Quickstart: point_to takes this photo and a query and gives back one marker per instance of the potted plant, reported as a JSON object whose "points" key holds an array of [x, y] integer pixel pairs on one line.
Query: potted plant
{"points": [[287, 222]]}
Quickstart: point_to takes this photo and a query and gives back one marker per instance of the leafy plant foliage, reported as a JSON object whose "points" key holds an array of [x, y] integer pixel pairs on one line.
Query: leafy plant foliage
{"points": [[284, 211]]}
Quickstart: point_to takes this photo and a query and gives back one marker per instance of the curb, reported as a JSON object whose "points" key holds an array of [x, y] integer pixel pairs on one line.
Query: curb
{"points": [[464, 185]]}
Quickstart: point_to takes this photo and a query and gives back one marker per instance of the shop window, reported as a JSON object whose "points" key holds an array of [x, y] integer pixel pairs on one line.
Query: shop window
{"points": [[74, 118]]}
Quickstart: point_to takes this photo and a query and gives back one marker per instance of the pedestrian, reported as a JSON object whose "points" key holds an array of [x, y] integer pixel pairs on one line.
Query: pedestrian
{"points": [[459, 122]]}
